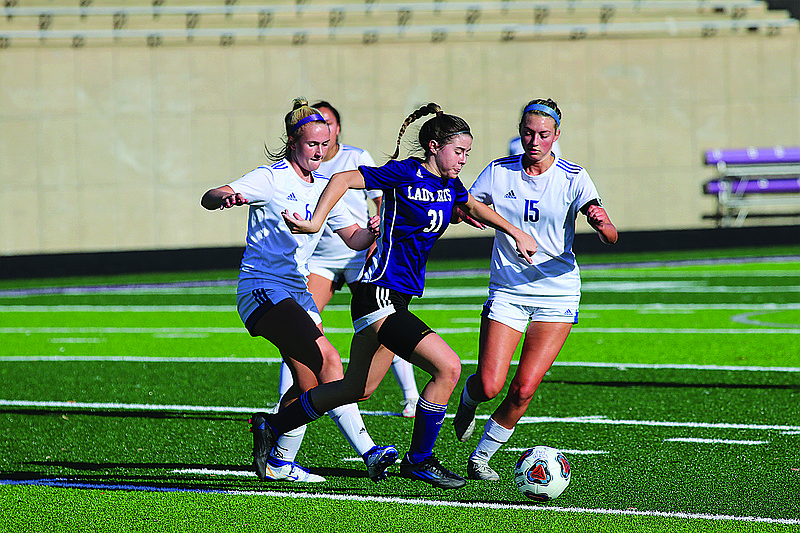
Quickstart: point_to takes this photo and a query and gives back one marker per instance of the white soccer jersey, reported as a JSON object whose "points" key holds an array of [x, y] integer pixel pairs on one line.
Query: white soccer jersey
{"points": [[332, 252], [546, 206], [272, 251]]}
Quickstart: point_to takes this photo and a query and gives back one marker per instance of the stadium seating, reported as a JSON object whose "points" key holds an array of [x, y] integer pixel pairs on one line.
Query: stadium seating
{"points": [[300, 21], [753, 178]]}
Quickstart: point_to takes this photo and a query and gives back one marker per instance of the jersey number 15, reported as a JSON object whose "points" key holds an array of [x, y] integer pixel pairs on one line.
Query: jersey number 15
{"points": [[531, 211]]}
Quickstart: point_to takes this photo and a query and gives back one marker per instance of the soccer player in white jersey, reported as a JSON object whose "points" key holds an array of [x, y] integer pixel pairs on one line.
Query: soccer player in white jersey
{"points": [[542, 195], [333, 263], [419, 199], [272, 296]]}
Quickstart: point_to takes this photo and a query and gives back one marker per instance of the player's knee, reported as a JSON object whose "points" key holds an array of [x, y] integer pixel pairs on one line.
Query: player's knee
{"points": [[492, 389], [521, 393], [448, 370], [331, 369]]}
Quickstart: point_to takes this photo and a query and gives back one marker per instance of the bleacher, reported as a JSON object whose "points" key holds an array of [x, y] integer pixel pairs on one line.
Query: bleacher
{"points": [[762, 182], [156, 22]]}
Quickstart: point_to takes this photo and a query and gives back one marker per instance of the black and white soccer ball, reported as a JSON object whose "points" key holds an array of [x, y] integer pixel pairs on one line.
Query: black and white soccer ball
{"points": [[542, 473]]}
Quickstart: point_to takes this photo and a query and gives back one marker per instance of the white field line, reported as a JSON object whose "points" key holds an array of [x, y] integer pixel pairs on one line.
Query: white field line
{"points": [[421, 306], [473, 291], [717, 441], [276, 360], [568, 452], [193, 332], [598, 420], [533, 508]]}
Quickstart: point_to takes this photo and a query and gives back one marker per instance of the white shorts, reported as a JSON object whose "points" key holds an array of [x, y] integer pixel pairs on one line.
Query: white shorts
{"points": [[518, 316], [254, 297], [338, 276]]}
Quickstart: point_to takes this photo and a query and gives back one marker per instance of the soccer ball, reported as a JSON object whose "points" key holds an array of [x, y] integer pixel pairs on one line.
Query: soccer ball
{"points": [[542, 473]]}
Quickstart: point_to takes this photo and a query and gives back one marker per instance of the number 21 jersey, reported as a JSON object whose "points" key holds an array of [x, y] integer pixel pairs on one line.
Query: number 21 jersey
{"points": [[416, 210]]}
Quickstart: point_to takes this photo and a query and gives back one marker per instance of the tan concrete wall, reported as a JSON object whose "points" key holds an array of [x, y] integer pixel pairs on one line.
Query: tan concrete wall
{"points": [[111, 147]]}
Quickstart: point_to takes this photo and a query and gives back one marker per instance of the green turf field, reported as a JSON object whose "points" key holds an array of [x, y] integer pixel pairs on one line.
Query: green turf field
{"points": [[676, 399]]}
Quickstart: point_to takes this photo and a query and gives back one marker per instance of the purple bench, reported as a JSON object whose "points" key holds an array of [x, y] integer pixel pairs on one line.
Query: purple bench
{"points": [[754, 178], [753, 186], [754, 156]]}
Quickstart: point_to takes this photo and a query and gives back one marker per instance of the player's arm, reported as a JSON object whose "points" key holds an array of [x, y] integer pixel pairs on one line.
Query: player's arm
{"points": [[526, 245], [598, 219], [359, 238], [334, 190], [222, 198]]}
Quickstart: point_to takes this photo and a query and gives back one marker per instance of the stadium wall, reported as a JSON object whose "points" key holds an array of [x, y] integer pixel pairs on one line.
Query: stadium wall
{"points": [[109, 148]]}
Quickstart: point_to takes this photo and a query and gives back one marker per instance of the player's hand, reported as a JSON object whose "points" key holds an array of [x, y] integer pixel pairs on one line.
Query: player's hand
{"points": [[233, 200], [459, 215], [297, 224], [526, 246], [597, 217], [374, 225]]}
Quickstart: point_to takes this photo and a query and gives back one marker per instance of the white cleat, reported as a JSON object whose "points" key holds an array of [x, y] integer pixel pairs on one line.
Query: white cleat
{"points": [[278, 470], [409, 408], [477, 469]]}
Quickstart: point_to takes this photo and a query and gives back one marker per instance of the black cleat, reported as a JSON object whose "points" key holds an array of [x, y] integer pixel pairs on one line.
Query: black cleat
{"points": [[263, 440], [431, 471]]}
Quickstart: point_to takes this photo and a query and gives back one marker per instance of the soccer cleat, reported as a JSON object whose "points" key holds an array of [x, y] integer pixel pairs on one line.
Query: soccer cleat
{"points": [[263, 440], [278, 470], [410, 408], [464, 422], [431, 471], [477, 469], [378, 459]]}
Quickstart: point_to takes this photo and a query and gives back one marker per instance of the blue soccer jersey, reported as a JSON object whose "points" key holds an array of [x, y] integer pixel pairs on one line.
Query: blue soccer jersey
{"points": [[416, 211]]}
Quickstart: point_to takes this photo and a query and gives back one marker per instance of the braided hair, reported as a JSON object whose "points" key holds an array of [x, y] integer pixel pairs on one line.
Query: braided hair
{"points": [[441, 128]]}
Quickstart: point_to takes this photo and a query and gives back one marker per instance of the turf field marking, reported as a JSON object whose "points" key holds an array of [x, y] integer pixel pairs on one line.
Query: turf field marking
{"points": [[596, 419], [533, 507], [349, 331], [77, 340], [746, 318], [569, 452], [276, 360], [340, 308], [717, 441], [210, 472], [612, 286]]}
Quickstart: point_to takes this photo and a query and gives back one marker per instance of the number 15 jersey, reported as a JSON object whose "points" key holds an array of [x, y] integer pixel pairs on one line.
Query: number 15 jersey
{"points": [[545, 206], [416, 210]]}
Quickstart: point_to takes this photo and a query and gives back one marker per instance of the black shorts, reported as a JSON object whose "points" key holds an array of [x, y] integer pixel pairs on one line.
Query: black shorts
{"points": [[370, 303], [401, 330]]}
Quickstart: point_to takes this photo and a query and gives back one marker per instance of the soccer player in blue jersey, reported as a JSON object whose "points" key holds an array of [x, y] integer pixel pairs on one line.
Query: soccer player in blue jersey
{"points": [[419, 198], [543, 195], [272, 296], [333, 263]]}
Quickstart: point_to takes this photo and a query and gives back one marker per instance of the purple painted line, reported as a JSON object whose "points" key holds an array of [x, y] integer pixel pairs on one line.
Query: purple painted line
{"points": [[89, 289], [60, 483]]}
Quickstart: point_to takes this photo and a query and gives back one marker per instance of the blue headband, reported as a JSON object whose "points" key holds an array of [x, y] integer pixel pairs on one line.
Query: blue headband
{"points": [[316, 117], [544, 109]]}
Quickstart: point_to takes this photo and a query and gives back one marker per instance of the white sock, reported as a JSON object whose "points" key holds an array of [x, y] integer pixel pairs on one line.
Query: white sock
{"points": [[289, 444], [404, 374], [494, 436], [285, 380], [348, 418], [466, 399]]}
